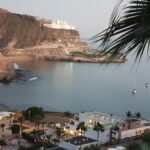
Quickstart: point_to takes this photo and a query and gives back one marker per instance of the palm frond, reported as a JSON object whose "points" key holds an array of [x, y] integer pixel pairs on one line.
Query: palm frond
{"points": [[129, 30]]}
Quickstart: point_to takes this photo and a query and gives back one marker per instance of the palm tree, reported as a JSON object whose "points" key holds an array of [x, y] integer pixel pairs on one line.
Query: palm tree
{"points": [[43, 123], [129, 114], [81, 127], [38, 125], [10, 117], [98, 127], [128, 30], [59, 132], [2, 126], [138, 115]]}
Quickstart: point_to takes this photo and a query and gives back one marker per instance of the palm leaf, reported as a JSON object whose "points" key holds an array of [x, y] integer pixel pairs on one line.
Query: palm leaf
{"points": [[129, 30]]}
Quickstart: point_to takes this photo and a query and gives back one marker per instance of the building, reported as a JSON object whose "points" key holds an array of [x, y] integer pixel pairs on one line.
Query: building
{"points": [[90, 119], [115, 127], [131, 128], [76, 143], [4, 115], [55, 24]]}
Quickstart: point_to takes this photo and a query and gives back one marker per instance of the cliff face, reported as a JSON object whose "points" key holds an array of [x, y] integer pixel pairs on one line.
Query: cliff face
{"points": [[23, 34]]}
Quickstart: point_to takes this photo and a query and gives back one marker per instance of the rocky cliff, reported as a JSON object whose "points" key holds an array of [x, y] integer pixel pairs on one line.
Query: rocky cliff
{"points": [[24, 34]]}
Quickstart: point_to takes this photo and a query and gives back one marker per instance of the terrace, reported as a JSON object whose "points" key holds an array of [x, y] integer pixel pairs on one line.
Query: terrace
{"points": [[91, 118]]}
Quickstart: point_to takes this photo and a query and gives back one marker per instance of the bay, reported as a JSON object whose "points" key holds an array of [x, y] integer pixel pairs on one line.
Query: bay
{"points": [[76, 87]]}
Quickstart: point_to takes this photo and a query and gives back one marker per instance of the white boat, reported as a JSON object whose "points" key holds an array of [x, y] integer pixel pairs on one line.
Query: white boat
{"points": [[16, 66], [34, 78], [147, 85], [134, 91]]}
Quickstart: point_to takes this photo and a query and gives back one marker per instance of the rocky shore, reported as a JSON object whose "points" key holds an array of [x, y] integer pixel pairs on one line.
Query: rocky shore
{"points": [[7, 71]]}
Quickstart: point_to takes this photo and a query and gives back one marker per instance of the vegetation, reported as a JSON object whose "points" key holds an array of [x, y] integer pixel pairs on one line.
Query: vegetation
{"points": [[2, 126], [138, 115], [15, 128], [146, 139], [34, 147], [10, 117], [34, 113], [134, 146], [98, 128], [128, 30], [86, 55], [38, 139], [59, 132], [129, 114], [81, 127], [67, 114], [3, 142]]}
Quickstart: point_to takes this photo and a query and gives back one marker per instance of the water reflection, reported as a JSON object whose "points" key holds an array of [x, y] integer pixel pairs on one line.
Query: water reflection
{"points": [[81, 87]]}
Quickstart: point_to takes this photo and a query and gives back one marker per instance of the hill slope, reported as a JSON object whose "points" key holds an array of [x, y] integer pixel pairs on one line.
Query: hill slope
{"points": [[23, 34]]}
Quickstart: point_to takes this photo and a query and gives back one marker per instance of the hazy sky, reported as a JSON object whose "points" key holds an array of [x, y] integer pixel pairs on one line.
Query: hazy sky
{"points": [[88, 16]]}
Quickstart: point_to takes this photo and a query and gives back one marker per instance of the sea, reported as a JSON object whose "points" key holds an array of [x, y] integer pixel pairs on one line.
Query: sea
{"points": [[79, 87]]}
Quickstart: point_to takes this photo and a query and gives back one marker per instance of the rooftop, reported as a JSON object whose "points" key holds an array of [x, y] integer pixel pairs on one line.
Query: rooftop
{"points": [[80, 140], [105, 119]]}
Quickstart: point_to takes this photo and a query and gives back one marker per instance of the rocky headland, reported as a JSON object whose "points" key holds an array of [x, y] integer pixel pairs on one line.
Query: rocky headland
{"points": [[23, 36]]}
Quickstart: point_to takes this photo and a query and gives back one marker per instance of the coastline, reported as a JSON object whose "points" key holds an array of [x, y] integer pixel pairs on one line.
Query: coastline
{"points": [[7, 71], [83, 59]]}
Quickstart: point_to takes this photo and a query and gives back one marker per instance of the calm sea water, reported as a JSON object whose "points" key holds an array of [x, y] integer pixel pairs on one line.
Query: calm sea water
{"points": [[80, 87]]}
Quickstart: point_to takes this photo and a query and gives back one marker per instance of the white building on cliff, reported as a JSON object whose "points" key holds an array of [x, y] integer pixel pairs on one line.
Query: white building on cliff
{"points": [[55, 24]]}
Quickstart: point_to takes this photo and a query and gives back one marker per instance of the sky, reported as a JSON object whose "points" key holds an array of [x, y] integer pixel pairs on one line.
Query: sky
{"points": [[88, 16]]}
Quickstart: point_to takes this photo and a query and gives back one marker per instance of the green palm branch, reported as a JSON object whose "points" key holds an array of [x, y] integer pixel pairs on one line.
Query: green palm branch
{"points": [[129, 30]]}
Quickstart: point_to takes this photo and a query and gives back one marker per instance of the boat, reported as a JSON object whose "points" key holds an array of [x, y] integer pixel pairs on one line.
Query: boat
{"points": [[34, 78], [147, 85], [134, 91], [16, 66]]}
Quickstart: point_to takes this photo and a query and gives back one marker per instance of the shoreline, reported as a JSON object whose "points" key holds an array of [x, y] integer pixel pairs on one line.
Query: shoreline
{"points": [[7, 71]]}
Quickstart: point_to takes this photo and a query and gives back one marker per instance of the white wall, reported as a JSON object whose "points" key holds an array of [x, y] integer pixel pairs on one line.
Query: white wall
{"points": [[132, 132], [103, 136], [58, 24]]}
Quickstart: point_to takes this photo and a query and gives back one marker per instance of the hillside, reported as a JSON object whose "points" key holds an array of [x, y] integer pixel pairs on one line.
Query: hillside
{"points": [[24, 34]]}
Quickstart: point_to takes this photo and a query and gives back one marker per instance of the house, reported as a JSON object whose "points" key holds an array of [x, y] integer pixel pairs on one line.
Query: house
{"points": [[90, 119], [132, 127], [55, 24], [78, 142]]}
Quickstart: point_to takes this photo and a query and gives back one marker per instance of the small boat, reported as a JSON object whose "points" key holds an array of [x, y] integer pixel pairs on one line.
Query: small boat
{"points": [[134, 91], [147, 85], [34, 78], [16, 66]]}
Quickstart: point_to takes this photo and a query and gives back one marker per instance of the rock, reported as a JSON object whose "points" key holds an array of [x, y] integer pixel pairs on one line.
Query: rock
{"points": [[22, 34]]}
